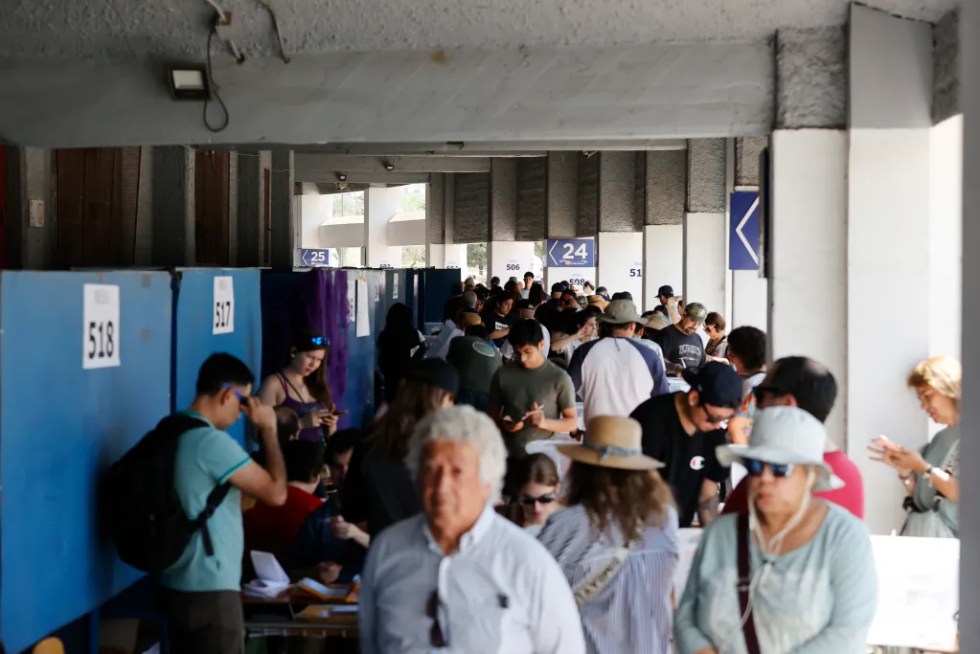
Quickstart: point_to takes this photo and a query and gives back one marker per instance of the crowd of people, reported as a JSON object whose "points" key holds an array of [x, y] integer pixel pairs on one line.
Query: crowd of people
{"points": [[523, 483]]}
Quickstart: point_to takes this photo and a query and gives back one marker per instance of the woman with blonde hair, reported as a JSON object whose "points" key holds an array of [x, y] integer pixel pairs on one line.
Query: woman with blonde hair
{"points": [[617, 541], [930, 474]]}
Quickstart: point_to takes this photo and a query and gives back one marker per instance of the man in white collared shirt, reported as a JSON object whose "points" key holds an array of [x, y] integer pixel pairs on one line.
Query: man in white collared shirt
{"points": [[459, 577]]}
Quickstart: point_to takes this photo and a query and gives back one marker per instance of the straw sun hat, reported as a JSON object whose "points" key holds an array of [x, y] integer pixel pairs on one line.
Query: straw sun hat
{"points": [[612, 442]]}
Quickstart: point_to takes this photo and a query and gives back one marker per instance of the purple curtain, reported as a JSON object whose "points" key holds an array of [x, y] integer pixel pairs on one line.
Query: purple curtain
{"points": [[325, 302]]}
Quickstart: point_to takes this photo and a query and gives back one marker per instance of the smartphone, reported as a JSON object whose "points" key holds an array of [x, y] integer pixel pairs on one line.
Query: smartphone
{"points": [[341, 413]]}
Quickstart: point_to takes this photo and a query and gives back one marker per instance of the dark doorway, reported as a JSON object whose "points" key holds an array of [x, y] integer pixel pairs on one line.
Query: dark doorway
{"points": [[211, 185]]}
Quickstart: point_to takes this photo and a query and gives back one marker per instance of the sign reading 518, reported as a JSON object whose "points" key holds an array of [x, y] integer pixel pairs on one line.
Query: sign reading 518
{"points": [[223, 314], [100, 326]]}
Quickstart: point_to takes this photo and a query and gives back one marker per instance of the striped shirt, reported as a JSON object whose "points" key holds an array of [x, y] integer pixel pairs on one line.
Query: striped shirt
{"points": [[632, 612], [615, 375]]}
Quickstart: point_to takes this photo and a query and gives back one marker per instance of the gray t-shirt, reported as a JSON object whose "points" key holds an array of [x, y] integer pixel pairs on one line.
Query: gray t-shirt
{"points": [[475, 360], [515, 390]]}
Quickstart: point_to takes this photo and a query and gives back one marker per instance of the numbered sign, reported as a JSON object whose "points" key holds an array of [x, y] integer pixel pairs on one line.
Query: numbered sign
{"points": [[100, 326], [513, 265], [394, 287], [223, 314], [636, 270], [571, 253], [452, 265]]}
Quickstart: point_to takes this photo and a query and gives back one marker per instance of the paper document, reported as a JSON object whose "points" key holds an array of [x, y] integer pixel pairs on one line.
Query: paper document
{"points": [[363, 327], [271, 578]]}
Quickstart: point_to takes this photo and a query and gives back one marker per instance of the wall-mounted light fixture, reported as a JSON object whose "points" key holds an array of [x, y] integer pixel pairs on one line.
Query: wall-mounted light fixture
{"points": [[341, 177], [188, 82], [389, 166]]}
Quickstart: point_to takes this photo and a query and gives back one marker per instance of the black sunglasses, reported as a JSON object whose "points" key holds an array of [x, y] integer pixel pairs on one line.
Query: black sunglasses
{"points": [[436, 637], [527, 500], [756, 467]]}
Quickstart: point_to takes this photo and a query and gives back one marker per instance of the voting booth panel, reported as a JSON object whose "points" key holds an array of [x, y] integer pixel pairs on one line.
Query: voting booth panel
{"points": [[215, 310], [326, 300], [84, 373], [435, 289]]}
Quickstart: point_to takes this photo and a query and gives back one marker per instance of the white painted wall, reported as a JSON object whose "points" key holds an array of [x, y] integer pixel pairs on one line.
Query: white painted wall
{"points": [[808, 241], [663, 248], [750, 300], [888, 274], [572, 275], [380, 204], [706, 260], [511, 259], [345, 235], [406, 232], [946, 237], [618, 254]]}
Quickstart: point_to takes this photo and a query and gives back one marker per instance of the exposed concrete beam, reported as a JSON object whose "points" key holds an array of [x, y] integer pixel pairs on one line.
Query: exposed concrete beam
{"points": [[628, 93], [495, 149], [311, 167], [379, 179]]}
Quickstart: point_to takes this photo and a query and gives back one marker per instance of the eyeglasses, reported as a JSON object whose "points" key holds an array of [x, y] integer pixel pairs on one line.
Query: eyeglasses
{"points": [[242, 399], [711, 418], [436, 637], [527, 500], [779, 470]]}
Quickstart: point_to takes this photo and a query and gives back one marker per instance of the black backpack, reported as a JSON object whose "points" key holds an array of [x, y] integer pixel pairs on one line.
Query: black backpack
{"points": [[139, 505]]}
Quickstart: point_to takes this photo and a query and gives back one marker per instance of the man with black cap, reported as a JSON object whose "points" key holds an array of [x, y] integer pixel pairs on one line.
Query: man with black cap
{"points": [[683, 430], [682, 346], [614, 374], [669, 302]]}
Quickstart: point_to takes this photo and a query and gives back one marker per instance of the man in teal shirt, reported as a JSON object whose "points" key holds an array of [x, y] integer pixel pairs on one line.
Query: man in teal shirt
{"points": [[200, 595]]}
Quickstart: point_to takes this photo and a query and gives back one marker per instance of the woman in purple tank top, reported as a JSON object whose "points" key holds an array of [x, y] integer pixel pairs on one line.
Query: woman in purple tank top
{"points": [[302, 386]]}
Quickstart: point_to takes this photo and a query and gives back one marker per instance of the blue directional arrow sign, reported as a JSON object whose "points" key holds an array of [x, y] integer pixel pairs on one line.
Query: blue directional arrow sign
{"points": [[314, 258], [743, 237], [571, 253]]}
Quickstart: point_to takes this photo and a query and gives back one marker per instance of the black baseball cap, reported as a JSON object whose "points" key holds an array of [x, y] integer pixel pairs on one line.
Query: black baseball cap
{"points": [[717, 383], [665, 291], [436, 372], [557, 287]]}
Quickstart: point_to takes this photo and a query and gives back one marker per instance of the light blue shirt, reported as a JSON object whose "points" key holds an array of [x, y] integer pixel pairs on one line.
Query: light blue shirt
{"points": [[632, 612], [500, 593], [818, 599], [207, 457]]}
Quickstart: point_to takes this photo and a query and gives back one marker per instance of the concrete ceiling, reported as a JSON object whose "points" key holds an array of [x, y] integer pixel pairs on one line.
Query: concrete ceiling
{"points": [[126, 29]]}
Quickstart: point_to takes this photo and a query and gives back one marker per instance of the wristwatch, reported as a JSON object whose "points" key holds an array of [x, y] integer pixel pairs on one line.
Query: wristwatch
{"points": [[929, 471]]}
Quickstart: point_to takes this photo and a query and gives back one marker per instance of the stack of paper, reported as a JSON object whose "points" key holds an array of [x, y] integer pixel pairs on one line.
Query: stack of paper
{"points": [[271, 580]]}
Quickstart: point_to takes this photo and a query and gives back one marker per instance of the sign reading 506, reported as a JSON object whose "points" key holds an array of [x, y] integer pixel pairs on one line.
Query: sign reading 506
{"points": [[100, 326]]}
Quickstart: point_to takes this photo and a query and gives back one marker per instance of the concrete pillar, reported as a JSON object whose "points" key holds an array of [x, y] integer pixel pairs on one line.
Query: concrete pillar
{"points": [[435, 220], [173, 206], [315, 209], [532, 199], [587, 195], [663, 232], [970, 404], [380, 205], [562, 200], [946, 237], [31, 244], [705, 229], [619, 248], [890, 117], [283, 235], [807, 249], [251, 199], [505, 257]]}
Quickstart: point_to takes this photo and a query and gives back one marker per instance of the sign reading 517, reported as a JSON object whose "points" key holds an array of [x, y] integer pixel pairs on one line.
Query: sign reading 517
{"points": [[223, 311], [100, 326]]}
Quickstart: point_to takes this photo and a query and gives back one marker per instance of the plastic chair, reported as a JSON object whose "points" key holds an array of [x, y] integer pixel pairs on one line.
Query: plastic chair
{"points": [[49, 646]]}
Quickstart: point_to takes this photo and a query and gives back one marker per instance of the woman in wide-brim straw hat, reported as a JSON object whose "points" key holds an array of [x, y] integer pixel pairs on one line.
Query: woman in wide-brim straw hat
{"points": [[793, 574], [617, 540]]}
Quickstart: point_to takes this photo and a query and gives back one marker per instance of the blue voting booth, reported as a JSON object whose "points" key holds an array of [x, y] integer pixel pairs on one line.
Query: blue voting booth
{"points": [[215, 310], [84, 373]]}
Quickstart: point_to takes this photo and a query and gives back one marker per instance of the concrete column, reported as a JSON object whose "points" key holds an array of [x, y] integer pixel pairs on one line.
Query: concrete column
{"points": [[807, 249], [435, 221], [29, 181], [380, 205], [970, 404], [315, 209], [946, 237], [705, 229], [620, 259], [562, 201], [505, 257], [251, 206], [663, 233], [173, 206], [888, 186], [283, 234]]}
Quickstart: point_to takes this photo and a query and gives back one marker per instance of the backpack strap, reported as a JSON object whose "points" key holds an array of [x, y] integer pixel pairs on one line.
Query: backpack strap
{"points": [[215, 498], [744, 583]]}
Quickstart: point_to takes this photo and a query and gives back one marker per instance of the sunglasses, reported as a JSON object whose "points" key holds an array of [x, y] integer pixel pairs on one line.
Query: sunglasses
{"points": [[242, 399], [527, 500], [779, 470], [712, 419], [436, 637]]}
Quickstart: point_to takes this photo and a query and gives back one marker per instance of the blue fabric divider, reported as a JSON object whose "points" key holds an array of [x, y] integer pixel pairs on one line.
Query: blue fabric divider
{"points": [[60, 428], [194, 340]]}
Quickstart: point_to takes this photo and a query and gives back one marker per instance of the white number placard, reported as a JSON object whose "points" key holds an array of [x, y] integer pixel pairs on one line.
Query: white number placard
{"points": [[223, 313], [100, 326]]}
